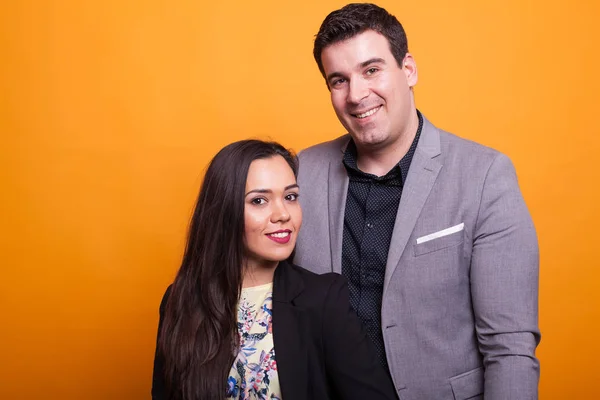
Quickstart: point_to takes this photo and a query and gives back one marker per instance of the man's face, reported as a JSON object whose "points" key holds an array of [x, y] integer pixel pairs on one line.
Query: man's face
{"points": [[370, 92]]}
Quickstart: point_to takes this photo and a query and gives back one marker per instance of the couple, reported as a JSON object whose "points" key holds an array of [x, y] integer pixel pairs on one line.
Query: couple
{"points": [[438, 254]]}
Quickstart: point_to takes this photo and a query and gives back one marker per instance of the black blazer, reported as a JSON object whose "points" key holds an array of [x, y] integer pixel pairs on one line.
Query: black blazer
{"points": [[321, 350]]}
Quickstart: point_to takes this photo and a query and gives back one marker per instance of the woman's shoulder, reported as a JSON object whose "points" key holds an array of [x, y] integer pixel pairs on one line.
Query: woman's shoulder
{"points": [[318, 285], [309, 276]]}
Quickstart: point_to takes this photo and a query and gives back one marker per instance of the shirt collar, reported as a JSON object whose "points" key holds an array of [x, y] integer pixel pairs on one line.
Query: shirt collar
{"points": [[400, 169]]}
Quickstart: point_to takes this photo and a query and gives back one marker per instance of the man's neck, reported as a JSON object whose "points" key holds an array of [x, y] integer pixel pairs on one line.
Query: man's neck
{"points": [[379, 161]]}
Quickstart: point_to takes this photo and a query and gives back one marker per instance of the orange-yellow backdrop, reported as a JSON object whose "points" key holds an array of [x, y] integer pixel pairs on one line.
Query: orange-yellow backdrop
{"points": [[110, 110]]}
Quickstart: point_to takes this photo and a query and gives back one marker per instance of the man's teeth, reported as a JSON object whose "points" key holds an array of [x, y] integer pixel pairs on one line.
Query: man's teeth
{"points": [[368, 113], [279, 234]]}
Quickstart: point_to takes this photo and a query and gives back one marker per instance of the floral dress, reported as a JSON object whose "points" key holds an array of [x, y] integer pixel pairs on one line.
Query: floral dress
{"points": [[253, 375]]}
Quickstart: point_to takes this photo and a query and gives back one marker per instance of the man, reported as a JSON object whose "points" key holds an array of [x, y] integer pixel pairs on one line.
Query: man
{"points": [[431, 230]]}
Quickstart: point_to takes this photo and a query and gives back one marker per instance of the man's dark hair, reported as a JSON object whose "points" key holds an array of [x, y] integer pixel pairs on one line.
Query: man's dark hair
{"points": [[356, 18]]}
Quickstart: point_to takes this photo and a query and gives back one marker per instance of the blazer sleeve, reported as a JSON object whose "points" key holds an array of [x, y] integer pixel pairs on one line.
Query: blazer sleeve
{"points": [[504, 287], [350, 360], [158, 377]]}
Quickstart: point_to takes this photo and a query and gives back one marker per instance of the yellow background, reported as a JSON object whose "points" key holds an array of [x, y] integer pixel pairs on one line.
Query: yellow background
{"points": [[110, 110]]}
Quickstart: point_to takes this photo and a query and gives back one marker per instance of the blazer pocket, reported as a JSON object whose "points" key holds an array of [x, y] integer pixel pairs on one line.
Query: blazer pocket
{"points": [[468, 385], [441, 242]]}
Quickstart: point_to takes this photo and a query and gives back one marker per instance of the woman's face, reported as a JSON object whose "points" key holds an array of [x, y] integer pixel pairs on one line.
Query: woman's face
{"points": [[272, 214]]}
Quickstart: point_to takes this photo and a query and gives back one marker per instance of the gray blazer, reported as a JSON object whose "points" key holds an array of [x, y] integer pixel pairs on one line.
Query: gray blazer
{"points": [[460, 301]]}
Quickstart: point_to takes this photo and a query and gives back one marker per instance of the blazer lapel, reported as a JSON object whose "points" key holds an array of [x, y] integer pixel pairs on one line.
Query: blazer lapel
{"points": [[289, 335], [423, 172], [338, 190]]}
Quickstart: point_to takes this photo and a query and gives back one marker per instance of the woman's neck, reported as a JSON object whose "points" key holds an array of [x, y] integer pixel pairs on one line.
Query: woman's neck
{"points": [[256, 274]]}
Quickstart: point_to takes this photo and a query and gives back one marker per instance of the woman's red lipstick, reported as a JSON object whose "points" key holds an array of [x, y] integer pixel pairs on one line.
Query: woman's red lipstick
{"points": [[281, 236]]}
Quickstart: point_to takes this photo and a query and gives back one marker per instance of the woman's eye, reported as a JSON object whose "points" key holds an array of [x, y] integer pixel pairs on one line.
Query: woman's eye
{"points": [[258, 201], [292, 197]]}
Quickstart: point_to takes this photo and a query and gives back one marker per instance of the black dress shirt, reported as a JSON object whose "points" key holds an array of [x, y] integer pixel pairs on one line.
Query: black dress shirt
{"points": [[370, 215]]}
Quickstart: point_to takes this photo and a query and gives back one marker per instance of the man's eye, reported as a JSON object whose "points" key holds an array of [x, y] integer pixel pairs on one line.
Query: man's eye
{"points": [[338, 82], [371, 71]]}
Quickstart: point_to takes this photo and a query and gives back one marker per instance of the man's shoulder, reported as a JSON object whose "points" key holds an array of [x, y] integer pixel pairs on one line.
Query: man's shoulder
{"points": [[454, 142], [462, 150], [325, 150]]}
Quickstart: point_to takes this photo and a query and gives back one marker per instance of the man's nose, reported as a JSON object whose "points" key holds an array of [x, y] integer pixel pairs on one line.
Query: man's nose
{"points": [[358, 90]]}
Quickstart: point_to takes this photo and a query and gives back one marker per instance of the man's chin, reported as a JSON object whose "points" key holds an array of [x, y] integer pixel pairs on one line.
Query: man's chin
{"points": [[369, 140]]}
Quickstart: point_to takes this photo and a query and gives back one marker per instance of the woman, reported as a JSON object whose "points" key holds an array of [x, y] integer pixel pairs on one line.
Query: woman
{"points": [[240, 321]]}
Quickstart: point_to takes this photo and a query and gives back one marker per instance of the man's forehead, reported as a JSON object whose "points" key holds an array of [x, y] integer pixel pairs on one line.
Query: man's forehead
{"points": [[363, 41], [356, 52]]}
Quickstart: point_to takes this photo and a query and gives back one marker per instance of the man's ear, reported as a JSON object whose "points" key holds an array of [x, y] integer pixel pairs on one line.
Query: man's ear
{"points": [[409, 66]]}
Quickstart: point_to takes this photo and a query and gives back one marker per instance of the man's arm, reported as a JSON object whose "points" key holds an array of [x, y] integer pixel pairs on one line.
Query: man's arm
{"points": [[504, 287]]}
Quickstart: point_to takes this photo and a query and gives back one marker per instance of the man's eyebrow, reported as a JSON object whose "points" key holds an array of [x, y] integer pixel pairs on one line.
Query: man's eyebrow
{"points": [[375, 60], [334, 75]]}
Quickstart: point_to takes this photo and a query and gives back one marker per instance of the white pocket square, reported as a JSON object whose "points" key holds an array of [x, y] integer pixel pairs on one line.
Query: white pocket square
{"points": [[443, 232]]}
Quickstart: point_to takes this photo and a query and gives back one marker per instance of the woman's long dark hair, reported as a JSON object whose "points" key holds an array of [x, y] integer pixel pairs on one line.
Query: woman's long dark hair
{"points": [[199, 333]]}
